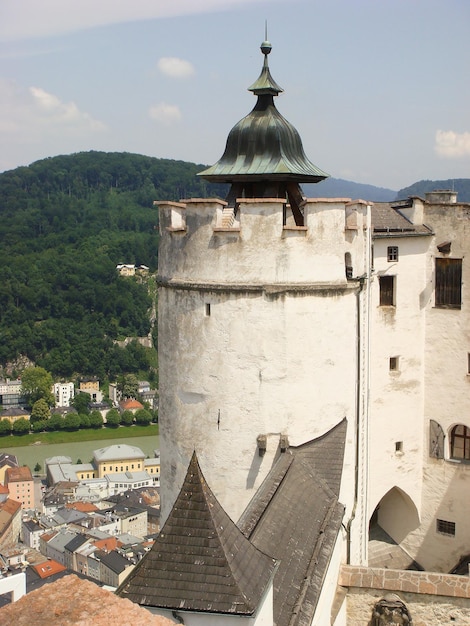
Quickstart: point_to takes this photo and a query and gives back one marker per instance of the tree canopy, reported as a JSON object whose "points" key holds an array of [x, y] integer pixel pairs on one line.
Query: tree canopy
{"points": [[65, 223], [36, 384]]}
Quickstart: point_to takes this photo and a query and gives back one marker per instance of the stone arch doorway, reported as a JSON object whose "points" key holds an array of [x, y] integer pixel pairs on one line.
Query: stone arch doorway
{"points": [[393, 519]]}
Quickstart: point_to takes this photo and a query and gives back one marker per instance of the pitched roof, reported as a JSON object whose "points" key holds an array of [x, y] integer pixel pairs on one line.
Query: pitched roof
{"points": [[130, 404], [18, 474], [8, 459], [114, 561], [200, 561], [387, 221], [118, 452], [296, 517], [48, 568]]}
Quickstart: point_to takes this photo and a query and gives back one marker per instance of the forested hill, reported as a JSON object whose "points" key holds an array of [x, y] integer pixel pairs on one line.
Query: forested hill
{"points": [[460, 185], [65, 223]]}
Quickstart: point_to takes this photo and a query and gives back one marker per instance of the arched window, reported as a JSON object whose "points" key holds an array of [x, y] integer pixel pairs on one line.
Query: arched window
{"points": [[460, 442]]}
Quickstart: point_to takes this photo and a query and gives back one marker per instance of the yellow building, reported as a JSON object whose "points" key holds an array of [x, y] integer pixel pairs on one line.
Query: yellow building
{"points": [[118, 458]]}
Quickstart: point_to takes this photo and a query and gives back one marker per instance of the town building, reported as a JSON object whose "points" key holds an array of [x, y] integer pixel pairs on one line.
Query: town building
{"points": [[314, 362], [113, 470], [6, 461], [63, 393], [10, 393], [20, 483]]}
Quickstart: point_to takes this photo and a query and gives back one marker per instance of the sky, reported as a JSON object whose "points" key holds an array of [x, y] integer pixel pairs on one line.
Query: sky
{"points": [[379, 90]]}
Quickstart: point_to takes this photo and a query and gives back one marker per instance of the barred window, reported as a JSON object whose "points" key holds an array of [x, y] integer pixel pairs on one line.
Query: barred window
{"points": [[445, 527], [392, 253]]}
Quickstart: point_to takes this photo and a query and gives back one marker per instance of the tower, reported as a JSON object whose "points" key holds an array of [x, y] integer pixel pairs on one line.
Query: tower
{"points": [[261, 316]]}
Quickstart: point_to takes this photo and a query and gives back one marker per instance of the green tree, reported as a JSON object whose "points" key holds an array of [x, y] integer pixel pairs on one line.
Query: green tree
{"points": [[39, 426], [72, 421], [128, 385], [20, 427], [5, 427], [127, 418], [80, 402], [36, 384], [56, 422], [113, 418], [143, 417], [96, 419], [84, 421], [40, 411], [37, 468]]}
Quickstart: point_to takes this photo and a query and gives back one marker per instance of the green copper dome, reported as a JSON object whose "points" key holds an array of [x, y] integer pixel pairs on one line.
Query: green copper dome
{"points": [[264, 146]]}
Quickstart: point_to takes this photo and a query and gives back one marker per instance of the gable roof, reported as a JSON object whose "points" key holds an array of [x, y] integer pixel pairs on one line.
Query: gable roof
{"points": [[114, 561], [387, 221], [295, 516], [200, 561]]}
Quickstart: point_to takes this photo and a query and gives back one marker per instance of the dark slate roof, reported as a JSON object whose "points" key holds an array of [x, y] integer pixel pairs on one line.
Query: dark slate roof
{"points": [[387, 221], [113, 560], [75, 543], [200, 561], [295, 516]]}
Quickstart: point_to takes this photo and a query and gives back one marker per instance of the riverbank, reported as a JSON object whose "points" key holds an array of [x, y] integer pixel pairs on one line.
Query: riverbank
{"points": [[76, 436], [31, 455]]}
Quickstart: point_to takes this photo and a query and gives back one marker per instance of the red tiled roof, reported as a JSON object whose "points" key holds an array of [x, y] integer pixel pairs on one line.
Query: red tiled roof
{"points": [[83, 507], [10, 506], [48, 568], [106, 544], [70, 601], [130, 404], [18, 474]]}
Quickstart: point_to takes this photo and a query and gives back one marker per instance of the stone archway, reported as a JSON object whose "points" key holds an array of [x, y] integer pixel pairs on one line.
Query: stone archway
{"points": [[393, 519]]}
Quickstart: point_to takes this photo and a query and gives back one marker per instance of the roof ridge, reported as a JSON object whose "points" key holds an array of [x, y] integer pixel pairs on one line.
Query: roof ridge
{"points": [[201, 561]]}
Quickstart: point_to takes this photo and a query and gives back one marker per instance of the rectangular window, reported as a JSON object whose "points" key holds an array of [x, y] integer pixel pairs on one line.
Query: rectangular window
{"points": [[387, 290], [393, 366], [398, 446], [392, 253], [207, 309], [445, 528], [448, 283]]}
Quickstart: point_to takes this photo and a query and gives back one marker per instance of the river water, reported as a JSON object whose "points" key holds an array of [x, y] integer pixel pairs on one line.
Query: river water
{"points": [[83, 450]]}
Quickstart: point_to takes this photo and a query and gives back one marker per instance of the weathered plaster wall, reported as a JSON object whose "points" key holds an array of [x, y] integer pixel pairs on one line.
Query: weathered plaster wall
{"points": [[447, 399], [257, 335], [397, 397]]}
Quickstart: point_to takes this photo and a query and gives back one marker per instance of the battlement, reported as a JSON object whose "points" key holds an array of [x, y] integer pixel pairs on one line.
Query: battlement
{"points": [[259, 239]]}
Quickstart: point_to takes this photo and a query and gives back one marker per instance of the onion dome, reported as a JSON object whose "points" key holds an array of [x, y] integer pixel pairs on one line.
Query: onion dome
{"points": [[264, 146]]}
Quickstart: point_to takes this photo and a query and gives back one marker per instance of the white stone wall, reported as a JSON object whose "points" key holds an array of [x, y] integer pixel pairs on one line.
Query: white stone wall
{"points": [[447, 398], [397, 397], [257, 335]]}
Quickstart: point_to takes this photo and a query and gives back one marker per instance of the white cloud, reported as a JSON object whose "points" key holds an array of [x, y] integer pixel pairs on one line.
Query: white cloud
{"points": [[165, 113], [30, 111], [452, 145], [23, 19], [49, 108], [174, 67]]}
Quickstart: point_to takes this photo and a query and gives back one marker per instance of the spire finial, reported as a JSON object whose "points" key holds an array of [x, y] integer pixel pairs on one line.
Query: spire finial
{"points": [[266, 46]]}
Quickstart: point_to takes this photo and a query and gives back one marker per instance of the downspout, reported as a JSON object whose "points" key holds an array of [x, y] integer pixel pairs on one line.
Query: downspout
{"points": [[362, 382]]}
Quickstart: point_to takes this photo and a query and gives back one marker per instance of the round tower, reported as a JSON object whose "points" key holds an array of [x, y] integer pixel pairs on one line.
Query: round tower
{"points": [[259, 312]]}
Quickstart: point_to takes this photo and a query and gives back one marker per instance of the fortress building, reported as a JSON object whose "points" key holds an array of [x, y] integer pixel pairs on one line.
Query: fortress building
{"points": [[314, 361]]}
